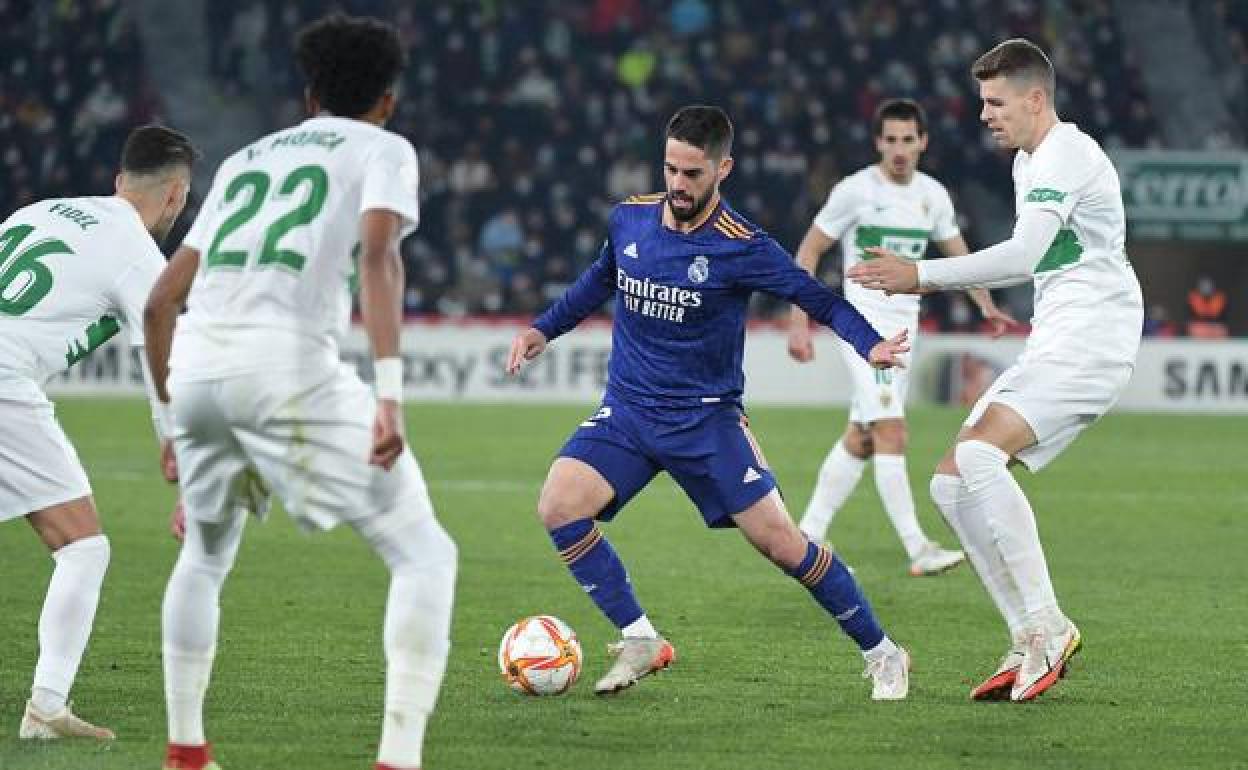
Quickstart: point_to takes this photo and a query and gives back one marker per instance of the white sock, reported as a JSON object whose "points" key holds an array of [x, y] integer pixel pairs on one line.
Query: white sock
{"points": [[893, 484], [1013, 525], [885, 648], [837, 478], [966, 519], [66, 619], [190, 616], [422, 560], [641, 628]]}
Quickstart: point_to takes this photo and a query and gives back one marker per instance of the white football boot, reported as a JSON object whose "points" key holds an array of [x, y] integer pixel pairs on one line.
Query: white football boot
{"points": [[933, 560], [634, 659], [37, 726], [1044, 661], [889, 675]]}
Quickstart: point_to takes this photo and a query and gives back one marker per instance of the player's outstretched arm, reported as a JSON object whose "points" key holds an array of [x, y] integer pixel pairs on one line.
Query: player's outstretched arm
{"points": [[774, 271], [166, 300], [1005, 264], [381, 293], [526, 346], [583, 297]]}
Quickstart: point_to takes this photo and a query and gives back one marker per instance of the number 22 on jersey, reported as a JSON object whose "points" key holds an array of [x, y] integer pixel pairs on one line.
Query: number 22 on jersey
{"points": [[252, 187]]}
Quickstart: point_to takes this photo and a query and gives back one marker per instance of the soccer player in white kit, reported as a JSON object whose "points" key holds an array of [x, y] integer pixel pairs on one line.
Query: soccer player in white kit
{"points": [[1069, 239], [73, 271], [258, 388], [891, 204]]}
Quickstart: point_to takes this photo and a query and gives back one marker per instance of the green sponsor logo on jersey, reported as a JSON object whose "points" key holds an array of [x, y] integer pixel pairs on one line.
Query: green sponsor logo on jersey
{"points": [[98, 333], [1044, 195], [1065, 250], [907, 242]]}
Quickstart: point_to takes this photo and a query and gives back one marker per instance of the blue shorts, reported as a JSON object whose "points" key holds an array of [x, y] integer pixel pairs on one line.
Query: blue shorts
{"points": [[708, 450]]}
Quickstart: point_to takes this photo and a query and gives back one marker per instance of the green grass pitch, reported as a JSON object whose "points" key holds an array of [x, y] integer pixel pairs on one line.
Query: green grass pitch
{"points": [[1145, 520]]}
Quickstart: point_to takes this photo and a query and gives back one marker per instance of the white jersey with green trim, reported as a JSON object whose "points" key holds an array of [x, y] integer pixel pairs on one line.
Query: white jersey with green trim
{"points": [[868, 209], [277, 236], [73, 271], [1086, 293]]}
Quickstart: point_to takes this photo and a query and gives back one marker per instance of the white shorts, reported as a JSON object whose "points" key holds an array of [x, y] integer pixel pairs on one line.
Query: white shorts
{"points": [[38, 466], [879, 394], [306, 438], [1057, 399]]}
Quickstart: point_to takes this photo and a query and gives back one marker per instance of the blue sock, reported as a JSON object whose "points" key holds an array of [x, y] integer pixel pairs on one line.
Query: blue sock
{"points": [[598, 569], [837, 592]]}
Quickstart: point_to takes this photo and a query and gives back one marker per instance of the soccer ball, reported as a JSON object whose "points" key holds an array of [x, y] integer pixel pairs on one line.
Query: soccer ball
{"points": [[540, 655]]}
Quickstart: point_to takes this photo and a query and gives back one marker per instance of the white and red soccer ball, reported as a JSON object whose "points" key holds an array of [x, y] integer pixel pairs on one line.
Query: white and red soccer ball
{"points": [[540, 655]]}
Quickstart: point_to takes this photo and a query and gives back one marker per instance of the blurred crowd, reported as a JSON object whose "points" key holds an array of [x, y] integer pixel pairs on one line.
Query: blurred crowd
{"points": [[72, 84], [532, 117]]}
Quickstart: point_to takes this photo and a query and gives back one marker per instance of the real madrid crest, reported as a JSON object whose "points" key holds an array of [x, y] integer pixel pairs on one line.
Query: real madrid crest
{"points": [[700, 269]]}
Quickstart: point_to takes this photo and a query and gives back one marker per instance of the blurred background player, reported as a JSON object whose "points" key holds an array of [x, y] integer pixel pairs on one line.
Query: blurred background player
{"points": [[1069, 240], [889, 203], [257, 385], [683, 266], [76, 270]]}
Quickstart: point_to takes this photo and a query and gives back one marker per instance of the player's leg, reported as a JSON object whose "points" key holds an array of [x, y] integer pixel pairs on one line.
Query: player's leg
{"points": [[599, 469], [962, 512], [843, 467], [982, 458], [212, 469], [71, 531], [766, 524], [190, 619], [721, 467], [422, 560], [573, 495], [838, 475], [41, 479], [892, 482]]}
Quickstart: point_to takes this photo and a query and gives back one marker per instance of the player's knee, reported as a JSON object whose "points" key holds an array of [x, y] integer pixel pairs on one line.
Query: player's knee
{"points": [[557, 507], [784, 547], [979, 462], [858, 442], [410, 538], [93, 551], [889, 436]]}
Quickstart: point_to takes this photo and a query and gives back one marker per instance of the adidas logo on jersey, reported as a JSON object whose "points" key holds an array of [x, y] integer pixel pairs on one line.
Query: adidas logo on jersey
{"points": [[751, 475], [631, 250]]}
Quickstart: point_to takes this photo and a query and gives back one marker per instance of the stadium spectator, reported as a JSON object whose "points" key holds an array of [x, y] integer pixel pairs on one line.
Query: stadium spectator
{"points": [[1206, 305]]}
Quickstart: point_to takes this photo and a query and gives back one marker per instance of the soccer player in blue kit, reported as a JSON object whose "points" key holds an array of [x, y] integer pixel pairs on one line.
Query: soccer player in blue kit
{"points": [[682, 265]]}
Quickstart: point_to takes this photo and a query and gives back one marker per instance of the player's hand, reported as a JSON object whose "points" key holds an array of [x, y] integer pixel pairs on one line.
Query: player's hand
{"points": [[177, 522], [887, 272], [999, 321], [527, 346], [168, 462], [801, 347], [887, 353], [387, 434]]}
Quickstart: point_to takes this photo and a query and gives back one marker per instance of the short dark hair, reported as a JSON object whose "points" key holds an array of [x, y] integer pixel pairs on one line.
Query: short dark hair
{"points": [[1018, 59], [705, 127], [899, 109], [349, 61], [153, 148]]}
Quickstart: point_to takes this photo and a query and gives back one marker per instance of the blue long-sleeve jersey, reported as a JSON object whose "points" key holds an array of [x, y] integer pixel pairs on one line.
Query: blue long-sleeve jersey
{"points": [[681, 301]]}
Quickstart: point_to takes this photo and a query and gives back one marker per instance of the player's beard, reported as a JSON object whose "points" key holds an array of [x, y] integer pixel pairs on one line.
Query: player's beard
{"points": [[694, 211]]}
